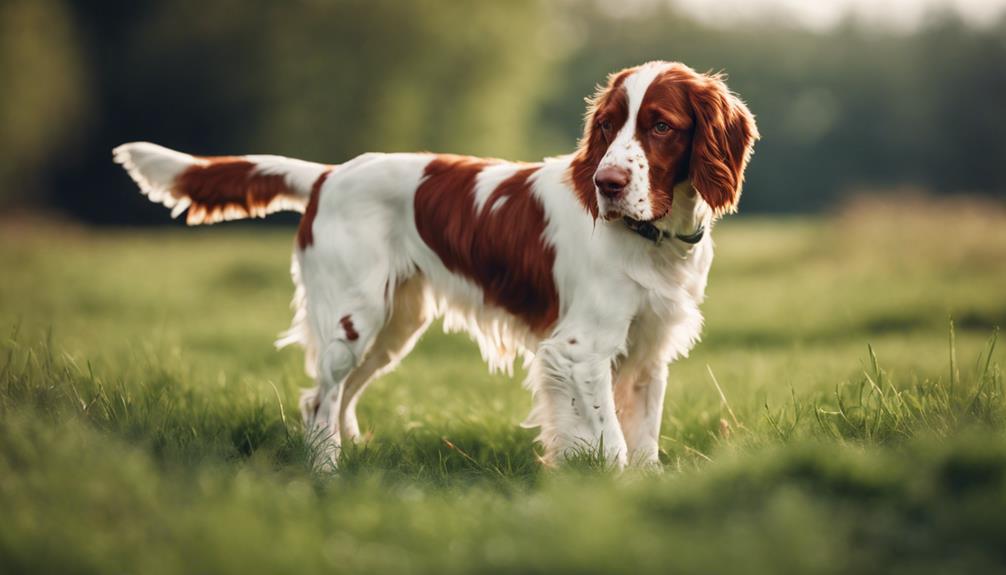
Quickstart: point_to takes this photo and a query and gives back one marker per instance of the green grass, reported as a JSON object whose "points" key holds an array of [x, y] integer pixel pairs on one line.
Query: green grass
{"points": [[147, 425]]}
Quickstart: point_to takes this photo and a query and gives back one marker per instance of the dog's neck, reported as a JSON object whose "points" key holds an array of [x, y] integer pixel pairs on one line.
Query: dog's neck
{"points": [[688, 215]]}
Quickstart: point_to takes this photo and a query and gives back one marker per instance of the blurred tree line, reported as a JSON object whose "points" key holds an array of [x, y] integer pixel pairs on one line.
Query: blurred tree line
{"points": [[853, 109]]}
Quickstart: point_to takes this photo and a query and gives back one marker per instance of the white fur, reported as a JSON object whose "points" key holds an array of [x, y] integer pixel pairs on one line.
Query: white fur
{"points": [[154, 169], [626, 152], [488, 180], [627, 306]]}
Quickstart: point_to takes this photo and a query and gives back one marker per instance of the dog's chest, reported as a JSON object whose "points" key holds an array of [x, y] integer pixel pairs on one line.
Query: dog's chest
{"points": [[668, 321]]}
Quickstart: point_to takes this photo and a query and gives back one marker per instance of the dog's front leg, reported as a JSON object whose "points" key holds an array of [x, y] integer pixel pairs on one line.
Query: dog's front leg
{"points": [[639, 397], [573, 401]]}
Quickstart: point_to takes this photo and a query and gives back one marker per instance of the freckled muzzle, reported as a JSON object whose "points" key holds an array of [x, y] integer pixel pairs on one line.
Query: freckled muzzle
{"points": [[622, 182]]}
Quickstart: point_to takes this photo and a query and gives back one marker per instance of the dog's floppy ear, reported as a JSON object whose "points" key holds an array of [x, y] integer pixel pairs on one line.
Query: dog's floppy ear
{"points": [[725, 133]]}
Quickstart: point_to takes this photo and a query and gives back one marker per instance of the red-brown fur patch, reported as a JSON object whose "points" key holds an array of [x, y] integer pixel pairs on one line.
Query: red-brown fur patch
{"points": [[305, 231], [227, 186], [666, 100], [347, 326], [502, 250], [609, 103]]}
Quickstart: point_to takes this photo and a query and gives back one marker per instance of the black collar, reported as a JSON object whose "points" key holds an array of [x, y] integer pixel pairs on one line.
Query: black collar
{"points": [[657, 235]]}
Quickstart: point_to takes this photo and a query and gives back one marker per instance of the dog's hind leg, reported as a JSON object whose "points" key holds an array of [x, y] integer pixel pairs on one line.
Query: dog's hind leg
{"points": [[335, 361], [345, 327], [409, 318]]}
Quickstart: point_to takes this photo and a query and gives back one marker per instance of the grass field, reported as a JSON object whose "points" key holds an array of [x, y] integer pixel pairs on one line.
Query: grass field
{"points": [[147, 425]]}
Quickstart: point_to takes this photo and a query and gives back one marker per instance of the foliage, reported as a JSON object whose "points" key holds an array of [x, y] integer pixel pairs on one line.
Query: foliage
{"points": [[855, 109]]}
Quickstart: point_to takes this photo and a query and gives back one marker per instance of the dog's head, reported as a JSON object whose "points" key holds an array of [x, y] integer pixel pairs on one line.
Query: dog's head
{"points": [[653, 127]]}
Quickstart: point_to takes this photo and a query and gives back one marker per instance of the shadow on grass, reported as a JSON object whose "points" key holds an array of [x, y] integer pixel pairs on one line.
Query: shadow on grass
{"points": [[447, 457]]}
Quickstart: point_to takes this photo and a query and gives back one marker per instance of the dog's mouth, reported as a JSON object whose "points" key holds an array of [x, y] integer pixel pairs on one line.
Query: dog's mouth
{"points": [[615, 215], [634, 222]]}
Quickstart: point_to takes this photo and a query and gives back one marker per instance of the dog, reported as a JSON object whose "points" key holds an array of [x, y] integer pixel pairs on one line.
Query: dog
{"points": [[590, 267]]}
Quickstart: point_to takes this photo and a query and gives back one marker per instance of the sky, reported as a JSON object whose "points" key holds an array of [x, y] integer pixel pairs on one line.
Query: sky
{"points": [[902, 15]]}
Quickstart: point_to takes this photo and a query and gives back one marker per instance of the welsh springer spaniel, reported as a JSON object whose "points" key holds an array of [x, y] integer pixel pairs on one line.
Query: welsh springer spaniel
{"points": [[589, 266]]}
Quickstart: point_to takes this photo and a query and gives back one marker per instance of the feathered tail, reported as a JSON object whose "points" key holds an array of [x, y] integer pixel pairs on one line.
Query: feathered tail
{"points": [[219, 188]]}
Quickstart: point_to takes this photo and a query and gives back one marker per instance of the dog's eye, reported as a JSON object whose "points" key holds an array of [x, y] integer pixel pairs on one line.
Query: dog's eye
{"points": [[661, 128]]}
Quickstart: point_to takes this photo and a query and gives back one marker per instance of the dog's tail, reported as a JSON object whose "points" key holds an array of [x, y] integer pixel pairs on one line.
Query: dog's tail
{"points": [[219, 188]]}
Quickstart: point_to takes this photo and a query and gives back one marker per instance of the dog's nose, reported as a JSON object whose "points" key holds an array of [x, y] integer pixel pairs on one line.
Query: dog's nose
{"points": [[611, 181]]}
